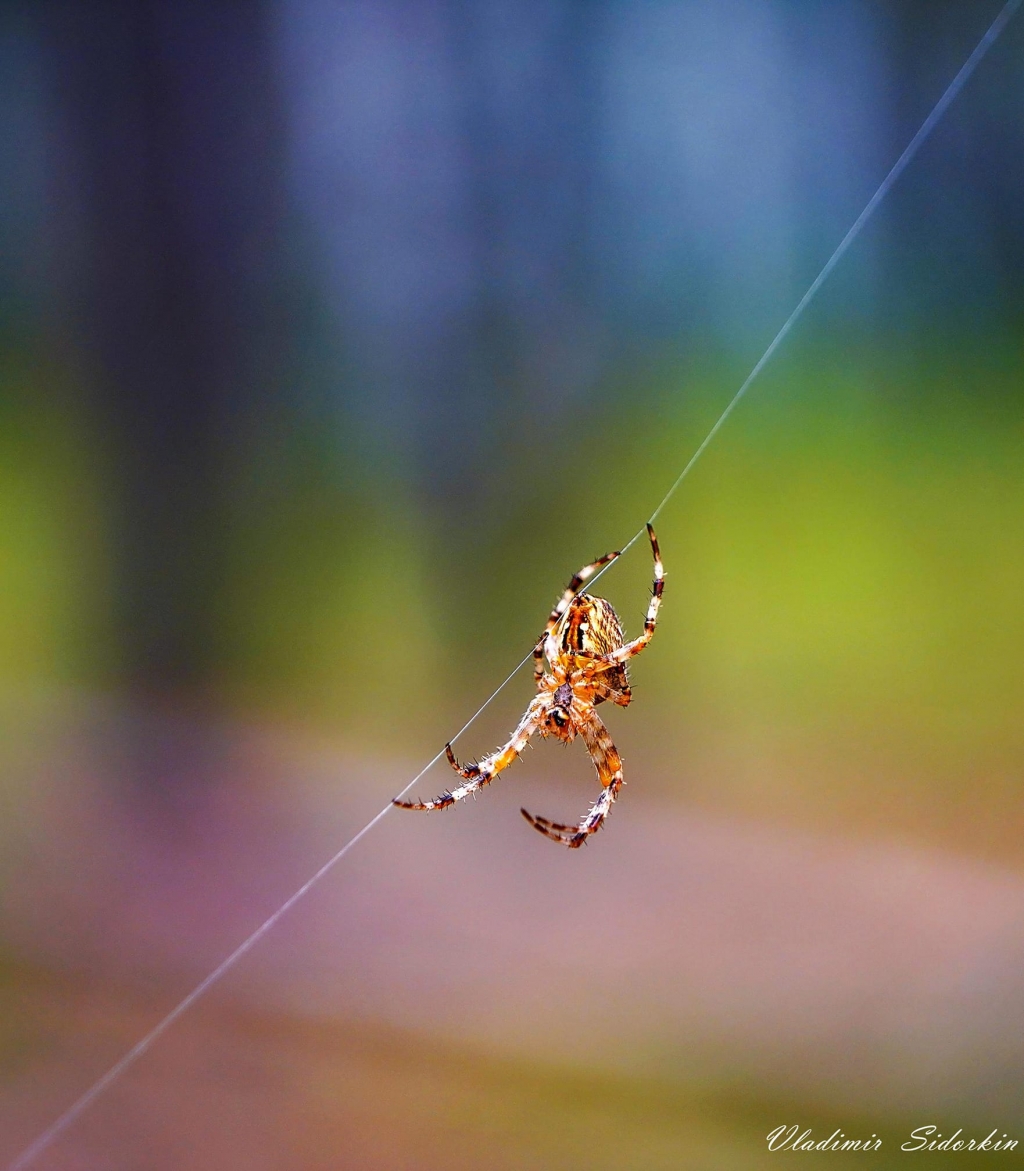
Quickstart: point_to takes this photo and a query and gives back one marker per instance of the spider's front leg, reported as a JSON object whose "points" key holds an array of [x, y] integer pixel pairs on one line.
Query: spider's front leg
{"points": [[609, 771], [623, 653], [576, 583], [475, 776]]}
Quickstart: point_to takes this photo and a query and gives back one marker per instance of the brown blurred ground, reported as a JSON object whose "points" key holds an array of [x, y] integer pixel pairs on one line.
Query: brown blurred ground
{"points": [[236, 1089]]}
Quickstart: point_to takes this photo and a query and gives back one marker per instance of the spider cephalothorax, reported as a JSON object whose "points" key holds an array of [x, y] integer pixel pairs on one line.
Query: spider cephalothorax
{"points": [[586, 655]]}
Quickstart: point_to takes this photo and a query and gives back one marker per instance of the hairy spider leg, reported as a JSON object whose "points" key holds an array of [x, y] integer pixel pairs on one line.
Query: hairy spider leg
{"points": [[576, 583], [475, 776], [609, 771], [622, 653]]}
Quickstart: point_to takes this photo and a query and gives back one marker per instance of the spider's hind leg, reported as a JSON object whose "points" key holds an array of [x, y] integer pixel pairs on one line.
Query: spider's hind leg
{"points": [[609, 771], [566, 834], [575, 836]]}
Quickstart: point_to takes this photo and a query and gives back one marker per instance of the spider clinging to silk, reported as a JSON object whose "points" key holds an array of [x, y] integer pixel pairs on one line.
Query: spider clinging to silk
{"points": [[587, 656]]}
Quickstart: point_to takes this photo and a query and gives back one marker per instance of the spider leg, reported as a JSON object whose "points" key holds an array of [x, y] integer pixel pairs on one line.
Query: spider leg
{"points": [[622, 653], [475, 776], [609, 771], [593, 667], [545, 826], [576, 583]]}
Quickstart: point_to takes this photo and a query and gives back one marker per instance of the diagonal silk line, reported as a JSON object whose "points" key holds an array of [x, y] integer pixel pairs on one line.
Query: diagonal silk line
{"points": [[927, 126], [98, 1087]]}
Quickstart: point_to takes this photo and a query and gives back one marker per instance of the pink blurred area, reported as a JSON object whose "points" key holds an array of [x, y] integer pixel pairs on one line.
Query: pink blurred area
{"points": [[858, 975]]}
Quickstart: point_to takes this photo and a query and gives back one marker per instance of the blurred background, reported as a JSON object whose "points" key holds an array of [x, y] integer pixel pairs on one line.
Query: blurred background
{"points": [[333, 337]]}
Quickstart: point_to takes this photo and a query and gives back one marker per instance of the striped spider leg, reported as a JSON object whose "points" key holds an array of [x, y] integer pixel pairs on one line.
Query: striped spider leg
{"points": [[609, 772], [602, 654], [576, 583], [475, 776], [587, 655]]}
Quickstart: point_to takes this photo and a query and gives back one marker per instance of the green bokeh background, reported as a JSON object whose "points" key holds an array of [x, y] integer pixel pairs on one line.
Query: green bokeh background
{"points": [[845, 568]]}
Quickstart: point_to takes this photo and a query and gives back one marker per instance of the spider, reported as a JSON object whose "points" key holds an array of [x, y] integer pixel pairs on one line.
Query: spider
{"points": [[587, 654]]}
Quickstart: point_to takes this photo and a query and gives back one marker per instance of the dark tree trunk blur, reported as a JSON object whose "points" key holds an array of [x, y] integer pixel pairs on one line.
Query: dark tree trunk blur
{"points": [[169, 202]]}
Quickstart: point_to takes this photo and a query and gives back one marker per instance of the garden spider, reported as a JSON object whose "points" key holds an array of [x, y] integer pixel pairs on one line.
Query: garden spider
{"points": [[584, 646]]}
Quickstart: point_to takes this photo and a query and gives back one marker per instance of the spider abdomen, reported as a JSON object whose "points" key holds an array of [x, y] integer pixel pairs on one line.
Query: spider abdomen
{"points": [[593, 628]]}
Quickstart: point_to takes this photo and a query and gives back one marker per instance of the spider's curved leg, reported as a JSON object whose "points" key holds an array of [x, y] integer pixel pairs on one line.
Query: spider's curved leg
{"points": [[552, 829], [475, 776], [609, 771], [622, 653], [576, 583]]}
